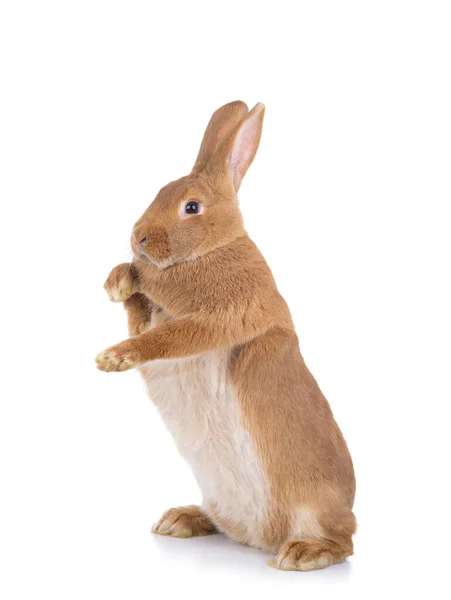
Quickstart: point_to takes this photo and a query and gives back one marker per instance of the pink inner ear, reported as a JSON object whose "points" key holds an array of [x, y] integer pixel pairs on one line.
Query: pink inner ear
{"points": [[244, 148]]}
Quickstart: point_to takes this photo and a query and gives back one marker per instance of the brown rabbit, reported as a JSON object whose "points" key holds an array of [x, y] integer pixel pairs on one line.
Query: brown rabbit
{"points": [[215, 342]]}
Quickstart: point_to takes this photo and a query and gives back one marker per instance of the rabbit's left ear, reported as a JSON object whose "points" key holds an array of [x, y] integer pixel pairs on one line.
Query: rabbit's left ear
{"points": [[238, 149]]}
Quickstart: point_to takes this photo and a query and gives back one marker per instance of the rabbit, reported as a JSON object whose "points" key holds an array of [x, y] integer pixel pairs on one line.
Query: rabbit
{"points": [[217, 348]]}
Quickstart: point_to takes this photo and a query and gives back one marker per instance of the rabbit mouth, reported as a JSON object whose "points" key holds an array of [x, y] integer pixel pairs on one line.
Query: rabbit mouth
{"points": [[159, 264], [140, 256]]}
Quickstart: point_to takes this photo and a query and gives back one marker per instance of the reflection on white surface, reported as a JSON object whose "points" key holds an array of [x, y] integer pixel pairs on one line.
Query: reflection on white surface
{"points": [[220, 553]]}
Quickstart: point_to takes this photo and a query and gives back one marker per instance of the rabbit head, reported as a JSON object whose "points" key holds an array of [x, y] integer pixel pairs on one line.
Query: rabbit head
{"points": [[199, 212]]}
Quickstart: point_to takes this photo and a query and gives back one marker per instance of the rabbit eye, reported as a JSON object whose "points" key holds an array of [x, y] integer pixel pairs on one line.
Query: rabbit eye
{"points": [[191, 208]]}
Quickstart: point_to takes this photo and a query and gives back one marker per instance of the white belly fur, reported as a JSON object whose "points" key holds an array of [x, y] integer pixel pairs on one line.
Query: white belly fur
{"points": [[197, 402]]}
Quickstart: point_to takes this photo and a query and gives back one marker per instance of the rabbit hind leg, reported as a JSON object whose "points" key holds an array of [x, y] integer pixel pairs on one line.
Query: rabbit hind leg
{"points": [[184, 522]]}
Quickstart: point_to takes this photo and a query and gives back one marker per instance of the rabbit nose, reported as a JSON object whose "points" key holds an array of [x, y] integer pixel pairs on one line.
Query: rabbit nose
{"points": [[141, 236]]}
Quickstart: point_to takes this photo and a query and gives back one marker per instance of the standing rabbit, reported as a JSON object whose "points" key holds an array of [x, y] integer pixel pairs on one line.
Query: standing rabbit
{"points": [[216, 345]]}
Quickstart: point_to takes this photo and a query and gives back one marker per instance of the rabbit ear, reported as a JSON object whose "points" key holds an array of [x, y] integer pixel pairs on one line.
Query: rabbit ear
{"points": [[221, 123], [238, 148], [245, 144]]}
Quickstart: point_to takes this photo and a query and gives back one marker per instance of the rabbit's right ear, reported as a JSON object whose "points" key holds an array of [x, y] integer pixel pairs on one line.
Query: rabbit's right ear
{"points": [[221, 123]]}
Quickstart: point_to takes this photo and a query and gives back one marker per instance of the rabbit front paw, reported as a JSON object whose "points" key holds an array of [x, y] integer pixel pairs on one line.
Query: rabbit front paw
{"points": [[122, 282], [117, 358]]}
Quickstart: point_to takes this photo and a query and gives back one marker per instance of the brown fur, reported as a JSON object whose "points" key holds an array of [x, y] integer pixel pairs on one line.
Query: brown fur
{"points": [[213, 289]]}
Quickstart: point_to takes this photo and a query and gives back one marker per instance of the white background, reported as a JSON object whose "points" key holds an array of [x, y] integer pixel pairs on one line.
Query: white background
{"points": [[101, 104]]}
